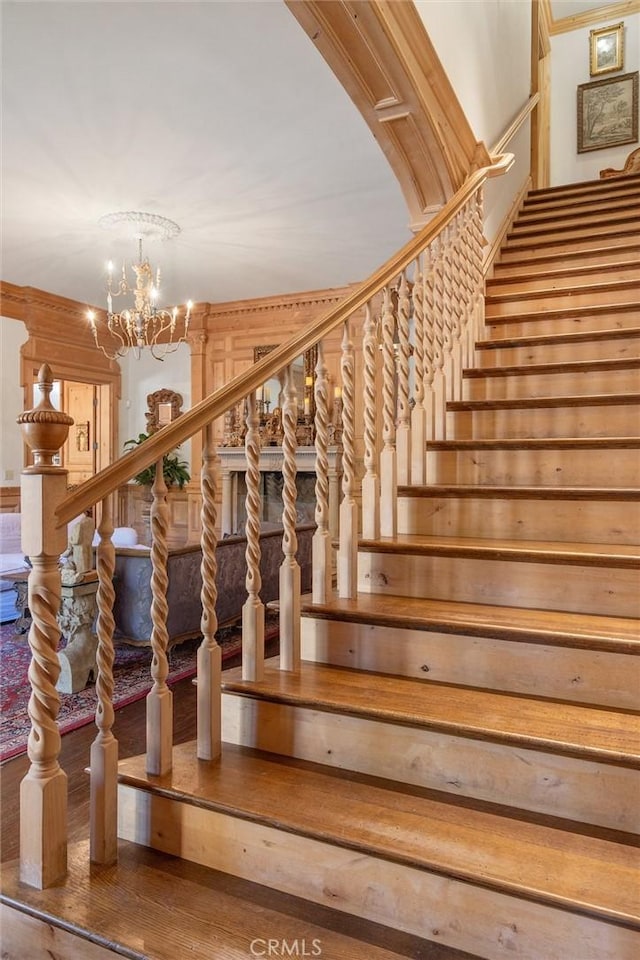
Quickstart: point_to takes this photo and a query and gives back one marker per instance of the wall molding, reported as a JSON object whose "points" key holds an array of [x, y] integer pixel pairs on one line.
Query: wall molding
{"points": [[588, 18]]}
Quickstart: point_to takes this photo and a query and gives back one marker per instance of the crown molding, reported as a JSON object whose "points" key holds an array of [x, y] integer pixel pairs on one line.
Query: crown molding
{"points": [[589, 18]]}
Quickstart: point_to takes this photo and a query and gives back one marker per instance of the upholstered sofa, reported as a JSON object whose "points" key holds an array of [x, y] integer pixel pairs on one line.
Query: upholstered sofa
{"points": [[132, 609], [11, 561]]}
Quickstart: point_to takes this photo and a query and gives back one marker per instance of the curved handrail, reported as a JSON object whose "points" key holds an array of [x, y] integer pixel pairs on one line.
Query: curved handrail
{"points": [[217, 403], [515, 125]]}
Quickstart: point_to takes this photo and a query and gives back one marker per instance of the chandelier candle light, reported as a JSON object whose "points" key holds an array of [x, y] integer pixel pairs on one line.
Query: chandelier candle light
{"points": [[145, 324]]}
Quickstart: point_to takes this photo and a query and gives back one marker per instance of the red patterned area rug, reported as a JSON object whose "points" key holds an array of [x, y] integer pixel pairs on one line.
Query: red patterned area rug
{"points": [[132, 681]]}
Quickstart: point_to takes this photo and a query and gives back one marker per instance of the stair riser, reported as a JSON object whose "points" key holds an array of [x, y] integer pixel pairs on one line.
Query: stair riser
{"points": [[534, 251], [502, 286], [602, 420], [565, 673], [590, 521], [606, 204], [540, 237], [543, 325], [573, 383], [450, 911], [597, 468], [578, 261], [615, 348], [594, 190], [577, 216], [542, 586], [528, 779], [559, 300]]}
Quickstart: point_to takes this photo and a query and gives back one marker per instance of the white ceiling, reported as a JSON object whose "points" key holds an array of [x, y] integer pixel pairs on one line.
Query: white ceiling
{"points": [[219, 115]]}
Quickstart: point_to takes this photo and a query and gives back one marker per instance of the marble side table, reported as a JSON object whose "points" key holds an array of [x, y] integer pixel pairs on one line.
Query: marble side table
{"points": [[20, 581], [77, 615]]}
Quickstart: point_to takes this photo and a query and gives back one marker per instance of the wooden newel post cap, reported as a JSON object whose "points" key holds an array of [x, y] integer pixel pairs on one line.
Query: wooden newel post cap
{"points": [[44, 428]]}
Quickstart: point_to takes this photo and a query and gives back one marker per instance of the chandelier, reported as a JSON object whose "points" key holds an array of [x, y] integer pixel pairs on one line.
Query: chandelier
{"points": [[145, 324]]}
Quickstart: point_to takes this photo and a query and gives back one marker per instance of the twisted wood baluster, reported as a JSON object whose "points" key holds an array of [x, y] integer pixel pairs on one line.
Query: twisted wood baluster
{"points": [[209, 652], [289, 568], [429, 347], [43, 791], [448, 313], [469, 283], [439, 398], [458, 305], [348, 549], [253, 609], [321, 544], [371, 479], [160, 697], [388, 465], [421, 336], [403, 430], [478, 245], [104, 750]]}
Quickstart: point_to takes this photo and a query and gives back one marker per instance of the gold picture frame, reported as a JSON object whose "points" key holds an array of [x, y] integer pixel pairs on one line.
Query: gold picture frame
{"points": [[608, 112], [606, 49]]}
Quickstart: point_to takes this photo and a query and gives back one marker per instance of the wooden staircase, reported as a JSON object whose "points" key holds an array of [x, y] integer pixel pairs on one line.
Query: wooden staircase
{"points": [[458, 756]]}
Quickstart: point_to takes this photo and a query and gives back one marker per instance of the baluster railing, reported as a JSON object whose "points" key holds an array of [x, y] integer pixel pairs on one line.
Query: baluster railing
{"points": [[289, 569], [43, 791], [403, 430], [160, 697], [437, 334], [104, 750], [370, 487], [321, 545], [428, 348], [421, 405], [388, 466], [253, 609], [209, 663], [348, 548]]}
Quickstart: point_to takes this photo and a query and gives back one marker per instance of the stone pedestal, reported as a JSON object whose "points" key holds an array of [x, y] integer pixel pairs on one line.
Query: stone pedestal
{"points": [[78, 612]]}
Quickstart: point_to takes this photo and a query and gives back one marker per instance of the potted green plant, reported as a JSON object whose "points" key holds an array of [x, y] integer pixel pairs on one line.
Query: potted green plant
{"points": [[175, 471]]}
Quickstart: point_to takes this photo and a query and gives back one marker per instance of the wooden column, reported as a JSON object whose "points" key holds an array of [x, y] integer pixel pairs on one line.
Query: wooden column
{"points": [[348, 548], [104, 750], [289, 569], [198, 345], [253, 609], [43, 792], [160, 697], [321, 546], [371, 479], [209, 652]]}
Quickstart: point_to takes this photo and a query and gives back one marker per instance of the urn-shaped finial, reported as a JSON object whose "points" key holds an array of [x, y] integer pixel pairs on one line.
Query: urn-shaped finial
{"points": [[44, 428]]}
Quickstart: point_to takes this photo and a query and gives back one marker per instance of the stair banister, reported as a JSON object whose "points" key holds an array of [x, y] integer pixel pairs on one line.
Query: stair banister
{"points": [[216, 404], [43, 860]]}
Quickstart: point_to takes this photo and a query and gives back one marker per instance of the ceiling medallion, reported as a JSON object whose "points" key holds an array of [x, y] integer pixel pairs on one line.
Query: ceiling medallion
{"points": [[145, 325]]}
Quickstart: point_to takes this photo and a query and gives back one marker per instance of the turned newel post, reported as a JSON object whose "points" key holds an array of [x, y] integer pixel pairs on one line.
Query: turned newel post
{"points": [[43, 792]]}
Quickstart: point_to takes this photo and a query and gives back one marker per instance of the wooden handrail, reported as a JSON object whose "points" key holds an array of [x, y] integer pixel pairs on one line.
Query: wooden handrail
{"points": [[217, 403], [515, 125]]}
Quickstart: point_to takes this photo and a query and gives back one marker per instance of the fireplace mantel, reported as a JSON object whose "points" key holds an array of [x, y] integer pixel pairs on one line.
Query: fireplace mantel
{"points": [[234, 462]]}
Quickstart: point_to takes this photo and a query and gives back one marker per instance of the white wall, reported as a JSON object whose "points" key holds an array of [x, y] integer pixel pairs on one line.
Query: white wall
{"points": [[569, 68], [13, 334], [485, 48], [144, 376]]}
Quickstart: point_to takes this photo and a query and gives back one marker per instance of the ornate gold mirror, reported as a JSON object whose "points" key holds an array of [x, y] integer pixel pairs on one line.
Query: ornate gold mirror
{"points": [[164, 406]]}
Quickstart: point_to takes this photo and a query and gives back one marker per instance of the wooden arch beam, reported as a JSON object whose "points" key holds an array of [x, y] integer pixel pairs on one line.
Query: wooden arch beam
{"points": [[382, 55]]}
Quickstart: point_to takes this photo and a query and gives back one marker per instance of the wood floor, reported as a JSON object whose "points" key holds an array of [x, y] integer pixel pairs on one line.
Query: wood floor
{"points": [[211, 914]]}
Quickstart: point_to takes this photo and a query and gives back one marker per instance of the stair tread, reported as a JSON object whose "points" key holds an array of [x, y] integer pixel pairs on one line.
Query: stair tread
{"points": [[538, 443], [574, 400], [519, 493], [477, 619], [577, 270], [561, 366], [537, 551], [587, 874], [214, 916], [572, 312], [576, 290], [597, 186], [614, 333]]}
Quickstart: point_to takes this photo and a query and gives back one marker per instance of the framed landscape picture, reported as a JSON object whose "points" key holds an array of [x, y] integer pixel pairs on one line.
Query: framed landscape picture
{"points": [[608, 112], [606, 49]]}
